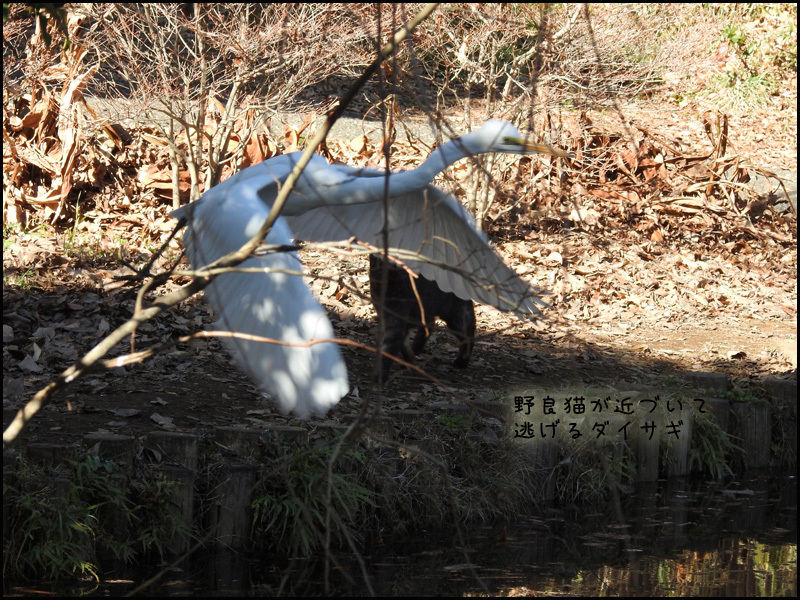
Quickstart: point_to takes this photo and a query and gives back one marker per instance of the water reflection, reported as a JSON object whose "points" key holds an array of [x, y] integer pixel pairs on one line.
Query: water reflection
{"points": [[676, 539], [666, 539]]}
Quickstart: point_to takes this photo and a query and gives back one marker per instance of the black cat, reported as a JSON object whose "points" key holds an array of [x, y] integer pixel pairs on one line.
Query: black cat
{"points": [[402, 312]]}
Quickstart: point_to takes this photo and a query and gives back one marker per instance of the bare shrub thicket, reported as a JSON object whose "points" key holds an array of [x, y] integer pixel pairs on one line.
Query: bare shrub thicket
{"points": [[218, 68], [485, 51], [205, 75], [608, 56], [486, 60], [202, 76]]}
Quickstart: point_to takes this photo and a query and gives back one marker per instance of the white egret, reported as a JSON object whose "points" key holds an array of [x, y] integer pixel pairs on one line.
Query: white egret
{"points": [[332, 203]]}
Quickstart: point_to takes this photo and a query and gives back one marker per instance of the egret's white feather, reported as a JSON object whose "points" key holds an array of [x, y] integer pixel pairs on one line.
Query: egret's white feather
{"points": [[278, 306], [333, 203], [456, 254]]}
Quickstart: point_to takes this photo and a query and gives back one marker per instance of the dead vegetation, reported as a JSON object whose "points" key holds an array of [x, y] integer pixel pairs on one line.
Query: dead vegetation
{"points": [[664, 238], [658, 220]]}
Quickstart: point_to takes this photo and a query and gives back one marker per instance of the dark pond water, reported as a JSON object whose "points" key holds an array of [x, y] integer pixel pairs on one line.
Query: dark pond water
{"points": [[668, 539], [677, 539]]}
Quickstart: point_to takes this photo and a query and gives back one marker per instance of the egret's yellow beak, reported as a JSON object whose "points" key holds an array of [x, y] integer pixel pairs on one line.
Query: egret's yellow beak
{"points": [[531, 148]]}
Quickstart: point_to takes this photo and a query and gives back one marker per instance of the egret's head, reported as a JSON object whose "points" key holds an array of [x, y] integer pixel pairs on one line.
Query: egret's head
{"points": [[498, 135]]}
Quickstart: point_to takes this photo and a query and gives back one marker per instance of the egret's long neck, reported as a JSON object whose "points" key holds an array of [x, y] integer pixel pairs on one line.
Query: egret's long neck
{"points": [[361, 190], [441, 158]]}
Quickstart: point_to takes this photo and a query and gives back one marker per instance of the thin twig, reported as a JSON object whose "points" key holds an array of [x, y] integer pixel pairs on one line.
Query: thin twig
{"points": [[204, 277]]}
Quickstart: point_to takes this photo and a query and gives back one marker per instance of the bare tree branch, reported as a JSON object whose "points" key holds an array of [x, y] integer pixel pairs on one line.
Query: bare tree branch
{"points": [[205, 276]]}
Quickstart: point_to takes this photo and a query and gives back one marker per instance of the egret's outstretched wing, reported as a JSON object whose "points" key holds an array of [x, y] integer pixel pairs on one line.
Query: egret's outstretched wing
{"points": [[273, 305], [455, 253], [332, 203]]}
